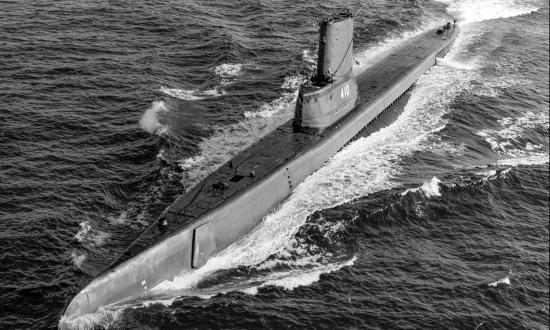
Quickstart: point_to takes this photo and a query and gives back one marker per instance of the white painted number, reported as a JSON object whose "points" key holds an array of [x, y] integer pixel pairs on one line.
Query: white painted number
{"points": [[344, 92]]}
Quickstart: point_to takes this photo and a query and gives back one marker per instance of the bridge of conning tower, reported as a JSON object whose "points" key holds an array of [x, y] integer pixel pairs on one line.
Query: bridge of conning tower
{"points": [[332, 92]]}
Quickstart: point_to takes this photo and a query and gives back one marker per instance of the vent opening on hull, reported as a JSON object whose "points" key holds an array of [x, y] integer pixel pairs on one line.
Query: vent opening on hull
{"points": [[236, 178]]}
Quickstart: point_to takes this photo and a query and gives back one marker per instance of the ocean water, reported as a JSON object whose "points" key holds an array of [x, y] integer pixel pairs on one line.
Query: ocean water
{"points": [[111, 109]]}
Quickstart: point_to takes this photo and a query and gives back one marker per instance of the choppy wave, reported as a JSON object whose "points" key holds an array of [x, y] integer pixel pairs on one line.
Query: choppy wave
{"points": [[429, 188], [511, 140], [226, 73]]}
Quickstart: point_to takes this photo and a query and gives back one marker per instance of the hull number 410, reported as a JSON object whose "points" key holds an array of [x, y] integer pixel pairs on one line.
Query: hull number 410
{"points": [[345, 91]]}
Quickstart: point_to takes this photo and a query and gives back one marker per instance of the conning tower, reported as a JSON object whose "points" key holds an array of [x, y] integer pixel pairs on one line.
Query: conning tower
{"points": [[332, 91]]}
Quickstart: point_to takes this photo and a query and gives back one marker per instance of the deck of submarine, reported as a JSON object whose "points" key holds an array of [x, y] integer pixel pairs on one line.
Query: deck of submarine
{"points": [[279, 146]]}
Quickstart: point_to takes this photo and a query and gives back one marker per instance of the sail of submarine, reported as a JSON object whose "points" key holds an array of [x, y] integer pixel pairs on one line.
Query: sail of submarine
{"points": [[332, 108]]}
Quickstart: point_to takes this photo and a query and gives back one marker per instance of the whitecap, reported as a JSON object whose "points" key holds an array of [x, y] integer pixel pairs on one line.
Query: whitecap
{"points": [[505, 280], [121, 219], [150, 121], [533, 159], [78, 259], [191, 94], [188, 163], [486, 174], [89, 236], [308, 58], [507, 141], [228, 69], [429, 188]]}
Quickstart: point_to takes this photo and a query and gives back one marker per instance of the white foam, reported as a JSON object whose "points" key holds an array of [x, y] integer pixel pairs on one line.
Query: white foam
{"points": [[505, 280], [429, 188], [228, 69], [291, 85], [190, 162], [507, 141], [537, 159], [229, 140], [468, 66], [150, 121], [268, 110], [470, 11], [299, 277], [191, 94], [161, 154], [288, 98], [104, 317], [308, 58], [376, 52], [122, 218], [78, 259], [486, 174], [89, 236], [148, 303], [493, 87]]}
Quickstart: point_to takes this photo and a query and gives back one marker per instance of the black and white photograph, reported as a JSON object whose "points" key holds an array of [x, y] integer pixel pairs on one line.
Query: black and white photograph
{"points": [[253, 164]]}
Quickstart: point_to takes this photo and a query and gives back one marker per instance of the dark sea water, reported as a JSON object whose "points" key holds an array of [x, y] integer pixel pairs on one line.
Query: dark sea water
{"points": [[111, 109]]}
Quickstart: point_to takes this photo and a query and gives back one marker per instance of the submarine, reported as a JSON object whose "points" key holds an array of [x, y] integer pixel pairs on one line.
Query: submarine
{"points": [[333, 108]]}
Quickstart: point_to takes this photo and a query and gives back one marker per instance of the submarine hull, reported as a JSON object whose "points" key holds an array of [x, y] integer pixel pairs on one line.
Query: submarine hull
{"points": [[230, 202]]}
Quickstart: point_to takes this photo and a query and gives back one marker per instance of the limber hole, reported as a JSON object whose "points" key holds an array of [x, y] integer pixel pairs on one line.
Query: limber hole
{"points": [[236, 178]]}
